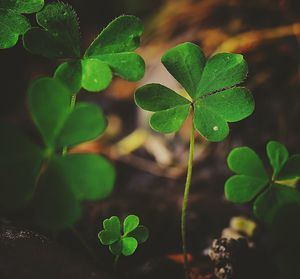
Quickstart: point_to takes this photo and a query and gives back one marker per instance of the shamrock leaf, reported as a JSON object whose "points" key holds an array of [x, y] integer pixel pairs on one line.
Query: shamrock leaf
{"points": [[111, 52], [130, 223], [291, 168], [127, 243], [55, 184], [214, 98], [12, 22], [270, 194], [140, 233], [250, 173], [90, 74], [278, 155], [117, 51], [58, 36], [60, 125], [273, 200], [111, 232], [107, 54]]}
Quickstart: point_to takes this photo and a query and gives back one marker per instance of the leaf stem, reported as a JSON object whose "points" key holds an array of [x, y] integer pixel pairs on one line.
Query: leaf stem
{"points": [[116, 262], [72, 105], [185, 201], [73, 101]]}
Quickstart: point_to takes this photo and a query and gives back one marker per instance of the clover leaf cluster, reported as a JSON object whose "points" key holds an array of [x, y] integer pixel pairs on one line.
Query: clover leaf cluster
{"points": [[111, 52], [12, 20], [252, 182], [42, 175], [213, 95], [55, 183], [126, 243]]}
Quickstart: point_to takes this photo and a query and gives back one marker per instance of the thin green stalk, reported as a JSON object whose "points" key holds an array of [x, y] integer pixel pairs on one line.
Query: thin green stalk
{"points": [[185, 201], [73, 101], [72, 105], [116, 262]]}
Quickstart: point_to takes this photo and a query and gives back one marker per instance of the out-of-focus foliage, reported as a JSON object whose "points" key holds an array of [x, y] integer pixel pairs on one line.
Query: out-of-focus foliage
{"points": [[12, 21], [252, 182], [55, 184]]}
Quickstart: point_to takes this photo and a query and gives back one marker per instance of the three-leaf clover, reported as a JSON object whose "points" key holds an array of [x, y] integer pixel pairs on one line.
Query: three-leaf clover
{"points": [[111, 52], [12, 21], [214, 98], [252, 182], [126, 243], [55, 184]]}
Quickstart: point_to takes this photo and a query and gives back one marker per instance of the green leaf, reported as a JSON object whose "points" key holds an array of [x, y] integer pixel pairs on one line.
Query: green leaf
{"points": [[251, 179], [129, 245], [209, 124], [70, 74], [105, 237], [213, 111], [209, 85], [117, 51], [170, 120], [278, 155], [242, 188], [185, 62], [141, 234], [86, 122], [22, 7], [113, 226], [49, 104], [291, 169], [58, 36], [56, 206], [273, 200], [90, 176], [116, 248], [20, 163], [96, 75], [156, 97], [130, 223], [12, 22], [243, 160], [129, 29], [91, 74], [232, 104], [128, 65], [12, 26], [171, 109], [221, 71]]}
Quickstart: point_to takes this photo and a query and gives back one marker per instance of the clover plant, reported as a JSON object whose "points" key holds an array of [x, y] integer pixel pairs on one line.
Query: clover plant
{"points": [[111, 52], [12, 21], [213, 99], [269, 193], [44, 176], [55, 183], [123, 243]]}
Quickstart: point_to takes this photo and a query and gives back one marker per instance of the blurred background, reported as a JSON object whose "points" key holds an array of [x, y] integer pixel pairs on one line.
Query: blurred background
{"points": [[151, 167]]}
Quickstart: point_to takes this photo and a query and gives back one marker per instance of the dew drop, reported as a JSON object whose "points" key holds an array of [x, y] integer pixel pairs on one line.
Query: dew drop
{"points": [[216, 128]]}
